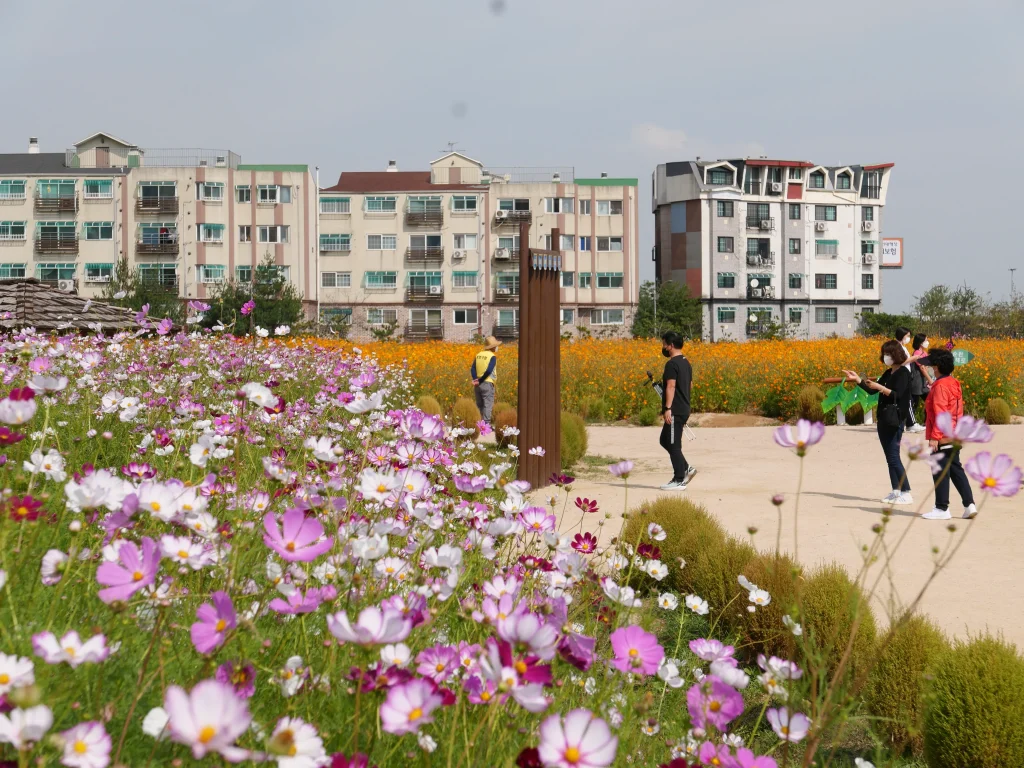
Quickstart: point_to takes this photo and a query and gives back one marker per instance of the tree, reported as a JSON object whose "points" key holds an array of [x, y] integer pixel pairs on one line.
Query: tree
{"points": [[665, 307], [933, 306], [277, 301], [883, 324], [128, 288]]}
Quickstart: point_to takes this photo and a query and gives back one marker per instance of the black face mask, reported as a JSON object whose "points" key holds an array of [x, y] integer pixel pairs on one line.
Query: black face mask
{"points": [[666, 352]]}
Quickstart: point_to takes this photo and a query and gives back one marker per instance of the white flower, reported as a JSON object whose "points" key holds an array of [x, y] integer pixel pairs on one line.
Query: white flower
{"points": [[618, 562], [427, 743], [51, 465], [262, 332], [290, 679], [759, 597], [377, 485], [155, 723], [3, 578], [200, 452], [697, 605], [305, 748], [656, 569], [259, 395], [52, 568], [668, 601], [25, 726], [397, 655], [15, 672], [537, 451], [795, 628], [623, 595], [369, 547], [656, 532], [282, 330], [322, 448], [670, 674], [861, 763], [746, 583], [366, 404], [729, 674]]}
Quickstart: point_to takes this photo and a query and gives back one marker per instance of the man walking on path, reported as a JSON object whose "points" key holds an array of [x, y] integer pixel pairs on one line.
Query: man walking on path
{"points": [[946, 396], [675, 412], [485, 375]]}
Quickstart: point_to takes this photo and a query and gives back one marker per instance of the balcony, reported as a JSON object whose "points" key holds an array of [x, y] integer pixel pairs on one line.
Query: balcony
{"points": [[510, 255], [506, 296], [761, 259], [63, 246], [512, 217], [505, 331], [871, 191], [425, 256], [167, 283], [767, 223], [56, 206], [761, 292], [424, 293], [424, 331], [425, 218], [156, 206], [151, 248]]}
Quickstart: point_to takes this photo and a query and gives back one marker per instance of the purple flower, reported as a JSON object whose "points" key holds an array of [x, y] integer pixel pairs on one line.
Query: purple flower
{"points": [[580, 740], [712, 650], [470, 484], [537, 520], [408, 706], [9, 436], [484, 428], [165, 326], [788, 727], [438, 662], [747, 759], [297, 602], [248, 307], [240, 676], [622, 469], [712, 702], [995, 475], [578, 650], [198, 306], [214, 621], [808, 433], [715, 754], [134, 570], [636, 651], [967, 430], [358, 760], [294, 541]]}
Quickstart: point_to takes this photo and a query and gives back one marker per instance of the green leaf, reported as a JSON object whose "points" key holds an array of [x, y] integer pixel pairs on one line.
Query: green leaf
{"points": [[833, 398], [849, 398], [870, 401]]}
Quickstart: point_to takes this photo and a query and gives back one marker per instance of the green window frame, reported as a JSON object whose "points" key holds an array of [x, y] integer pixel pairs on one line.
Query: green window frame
{"points": [[98, 230], [725, 244], [381, 280], [867, 246], [380, 204], [514, 204], [826, 315], [211, 233], [796, 315], [796, 281], [794, 211], [585, 279], [727, 315], [335, 205], [507, 283], [12, 271], [12, 230], [212, 191], [12, 189], [725, 209], [50, 189], [424, 203], [843, 181], [726, 279], [794, 245], [829, 248], [335, 243], [867, 281], [99, 273], [824, 213], [163, 274], [53, 272], [158, 190], [719, 176], [464, 279], [568, 279], [334, 315], [464, 203], [826, 282], [212, 273], [243, 273], [98, 189], [56, 230], [421, 279], [867, 213], [816, 180], [609, 279]]}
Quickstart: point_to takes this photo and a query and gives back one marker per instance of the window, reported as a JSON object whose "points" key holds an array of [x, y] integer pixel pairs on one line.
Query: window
{"points": [[509, 242], [727, 314], [154, 191], [11, 271], [12, 189], [828, 249], [336, 315], [796, 282], [464, 280], [463, 203], [54, 188], [584, 207], [609, 243], [212, 233], [465, 242], [566, 244], [98, 273], [56, 230], [585, 243], [267, 194], [867, 281], [824, 213], [796, 315], [843, 181], [421, 279], [277, 234], [508, 318], [753, 183], [243, 274], [867, 310], [243, 193], [826, 315], [99, 230], [725, 208], [381, 242], [568, 316], [335, 205], [609, 207], [606, 317], [725, 245], [12, 230], [156, 233], [795, 174], [558, 204], [54, 272], [609, 279], [163, 274], [465, 316], [210, 190], [424, 242], [382, 280], [381, 316], [211, 273], [507, 283], [585, 278], [424, 204], [568, 279], [826, 282], [98, 189], [794, 211], [816, 180], [871, 185], [380, 204], [514, 204], [794, 245], [719, 176], [726, 279], [758, 246], [336, 279], [285, 194], [244, 233], [335, 243], [867, 213]]}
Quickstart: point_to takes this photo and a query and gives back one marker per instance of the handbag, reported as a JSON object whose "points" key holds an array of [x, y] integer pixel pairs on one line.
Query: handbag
{"points": [[889, 416]]}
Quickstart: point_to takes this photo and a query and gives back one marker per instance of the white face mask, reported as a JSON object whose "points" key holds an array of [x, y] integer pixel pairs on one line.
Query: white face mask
{"points": [[906, 341], [925, 344], [887, 360]]}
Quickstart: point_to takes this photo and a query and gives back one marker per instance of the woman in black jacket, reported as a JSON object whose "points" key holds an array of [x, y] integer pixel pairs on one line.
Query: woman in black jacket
{"points": [[893, 388]]}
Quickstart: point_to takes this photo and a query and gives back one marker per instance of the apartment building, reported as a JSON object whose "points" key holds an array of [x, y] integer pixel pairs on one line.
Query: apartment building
{"points": [[188, 218], [767, 242], [435, 253]]}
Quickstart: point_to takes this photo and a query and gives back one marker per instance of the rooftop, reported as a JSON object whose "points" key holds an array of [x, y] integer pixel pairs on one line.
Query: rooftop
{"points": [[28, 302], [364, 182]]}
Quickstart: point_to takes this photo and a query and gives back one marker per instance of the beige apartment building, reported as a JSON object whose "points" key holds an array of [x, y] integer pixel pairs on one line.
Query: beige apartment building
{"points": [[435, 253]]}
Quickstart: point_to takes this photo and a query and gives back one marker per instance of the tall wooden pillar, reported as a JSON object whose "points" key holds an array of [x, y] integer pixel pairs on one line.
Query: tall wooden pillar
{"points": [[540, 275]]}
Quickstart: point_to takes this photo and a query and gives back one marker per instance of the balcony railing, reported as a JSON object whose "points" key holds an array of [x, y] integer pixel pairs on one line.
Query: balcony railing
{"points": [[157, 206], [506, 295], [57, 245], [505, 331], [761, 292], [512, 217], [424, 293], [164, 248], [760, 260], [424, 218], [335, 247], [424, 331], [424, 255], [56, 206], [766, 223], [874, 192]]}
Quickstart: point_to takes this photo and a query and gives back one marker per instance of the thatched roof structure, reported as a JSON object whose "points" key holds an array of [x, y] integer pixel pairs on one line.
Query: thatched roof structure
{"points": [[29, 302]]}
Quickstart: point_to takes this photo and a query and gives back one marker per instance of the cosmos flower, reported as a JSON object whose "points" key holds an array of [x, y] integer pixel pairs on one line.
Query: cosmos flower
{"points": [[134, 570], [87, 745], [24, 727], [409, 706], [70, 648], [298, 538], [215, 620], [208, 719], [808, 433], [787, 726], [636, 651], [375, 626], [579, 740]]}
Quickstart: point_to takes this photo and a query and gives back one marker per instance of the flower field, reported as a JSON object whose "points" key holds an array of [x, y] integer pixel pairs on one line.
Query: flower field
{"points": [[762, 377]]}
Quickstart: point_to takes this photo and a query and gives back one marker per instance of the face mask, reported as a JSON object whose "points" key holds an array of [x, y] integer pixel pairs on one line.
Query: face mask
{"points": [[925, 344], [906, 341], [887, 360], [665, 352]]}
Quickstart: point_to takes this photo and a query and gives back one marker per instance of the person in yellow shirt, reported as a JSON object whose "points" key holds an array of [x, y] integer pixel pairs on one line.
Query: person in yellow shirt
{"points": [[484, 373]]}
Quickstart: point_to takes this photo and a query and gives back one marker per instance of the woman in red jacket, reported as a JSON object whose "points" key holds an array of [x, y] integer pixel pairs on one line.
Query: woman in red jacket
{"points": [[946, 396]]}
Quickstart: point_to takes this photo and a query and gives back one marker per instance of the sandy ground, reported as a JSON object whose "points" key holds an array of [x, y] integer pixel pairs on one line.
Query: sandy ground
{"points": [[739, 469]]}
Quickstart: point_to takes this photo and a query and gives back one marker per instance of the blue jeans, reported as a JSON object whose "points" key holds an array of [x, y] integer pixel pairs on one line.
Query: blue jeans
{"points": [[890, 438]]}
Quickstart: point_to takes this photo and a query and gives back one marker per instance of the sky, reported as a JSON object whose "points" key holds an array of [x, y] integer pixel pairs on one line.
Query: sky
{"points": [[600, 85]]}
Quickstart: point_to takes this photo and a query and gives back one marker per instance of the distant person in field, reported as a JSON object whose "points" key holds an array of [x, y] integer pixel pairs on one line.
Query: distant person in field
{"points": [[484, 373], [921, 377], [906, 339], [675, 409], [946, 397]]}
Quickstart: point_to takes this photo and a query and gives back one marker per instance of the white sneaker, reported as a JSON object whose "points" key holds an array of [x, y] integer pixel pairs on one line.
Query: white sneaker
{"points": [[903, 498], [891, 497], [916, 429], [937, 514], [970, 512], [674, 485]]}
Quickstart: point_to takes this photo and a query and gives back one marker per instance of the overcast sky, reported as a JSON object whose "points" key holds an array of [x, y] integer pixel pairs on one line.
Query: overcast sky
{"points": [[601, 85]]}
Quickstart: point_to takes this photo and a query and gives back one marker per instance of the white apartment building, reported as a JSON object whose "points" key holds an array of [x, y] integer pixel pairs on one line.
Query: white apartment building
{"points": [[435, 253], [188, 218], [766, 242]]}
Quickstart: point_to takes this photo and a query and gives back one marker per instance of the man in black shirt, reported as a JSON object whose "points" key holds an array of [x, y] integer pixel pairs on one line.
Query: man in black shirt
{"points": [[676, 382]]}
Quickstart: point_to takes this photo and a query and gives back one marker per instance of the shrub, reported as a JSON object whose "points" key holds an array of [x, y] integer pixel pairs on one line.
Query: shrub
{"points": [[974, 713], [574, 439], [502, 406], [895, 690], [855, 415], [429, 404], [831, 604], [808, 403], [507, 417], [777, 575], [997, 411], [648, 415], [598, 410], [466, 414]]}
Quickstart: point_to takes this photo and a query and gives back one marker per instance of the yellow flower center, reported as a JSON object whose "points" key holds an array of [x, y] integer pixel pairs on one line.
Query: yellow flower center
{"points": [[182, 554], [155, 506], [415, 715], [186, 507], [714, 706], [221, 624], [520, 667], [634, 652], [572, 755], [4, 678], [785, 730], [21, 511], [81, 747], [70, 652], [439, 667], [715, 761], [138, 576], [536, 526], [206, 734], [382, 488], [290, 546], [990, 482], [485, 696]]}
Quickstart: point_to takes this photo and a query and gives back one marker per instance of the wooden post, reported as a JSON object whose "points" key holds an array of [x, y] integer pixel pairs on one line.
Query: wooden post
{"points": [[539, 361]]}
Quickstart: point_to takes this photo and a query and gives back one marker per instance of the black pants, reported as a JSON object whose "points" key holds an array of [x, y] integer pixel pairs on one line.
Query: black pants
{"points": [[890, 438], [672, 441], [951, 470]]}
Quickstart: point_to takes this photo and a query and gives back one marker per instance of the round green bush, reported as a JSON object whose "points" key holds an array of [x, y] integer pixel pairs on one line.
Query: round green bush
{"points": [[574, 439], [466, 414], [974, 711], [896, 686], [648, 415], [501, 406], [808, 403], [598, 410], [429, 404], [777, 575], [998, 411], [832, 605]]}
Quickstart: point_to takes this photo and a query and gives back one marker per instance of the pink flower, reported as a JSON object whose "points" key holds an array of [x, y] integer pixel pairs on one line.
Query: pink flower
{"points": [[712, 650], [87, 745], [712, 702], [808, 433], [375, 626], [622, 469], [530, 631], [241, 677], [636, 651], [786, 726], [586, 505], [438, 663], [484, 428], [537, 520], [208, 719], [585, 543], [70, 648], [746, 759], [716, 754], [408, 706], [580, 740], [165, 326], [294, 541], [136, 571], [248, 307], [968, 429], [297, 602], [470, 484], [995, 475], [214, 621]]}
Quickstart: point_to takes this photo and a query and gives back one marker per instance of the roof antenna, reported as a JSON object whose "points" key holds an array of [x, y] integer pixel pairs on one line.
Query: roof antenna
{"points": [[451, 147]]}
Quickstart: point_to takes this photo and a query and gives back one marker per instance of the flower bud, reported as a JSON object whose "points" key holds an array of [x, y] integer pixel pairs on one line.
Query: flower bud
{"points": [[75, 526], [778, 499], [26, 696]]}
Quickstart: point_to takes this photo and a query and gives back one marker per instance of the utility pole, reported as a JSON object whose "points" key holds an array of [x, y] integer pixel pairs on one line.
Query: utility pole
{"points": [[1013, 291]]}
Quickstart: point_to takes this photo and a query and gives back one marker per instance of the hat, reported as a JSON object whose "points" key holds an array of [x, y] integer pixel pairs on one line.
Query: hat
{"points": [[491, 343]]}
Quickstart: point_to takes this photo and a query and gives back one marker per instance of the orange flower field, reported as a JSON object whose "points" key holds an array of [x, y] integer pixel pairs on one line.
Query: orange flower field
{"points": [[757, 377]]}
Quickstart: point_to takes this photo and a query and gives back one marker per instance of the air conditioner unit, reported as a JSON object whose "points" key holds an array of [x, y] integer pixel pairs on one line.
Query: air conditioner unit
{"points": [[776, 186], [768, 292], [869, 258], [435, 290], [502, 254], [202, 163], [867, 226], [66, 285], [820, 226], [766, 223], [757, 292], [504, 292], [456, 254], [500, 214]]}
